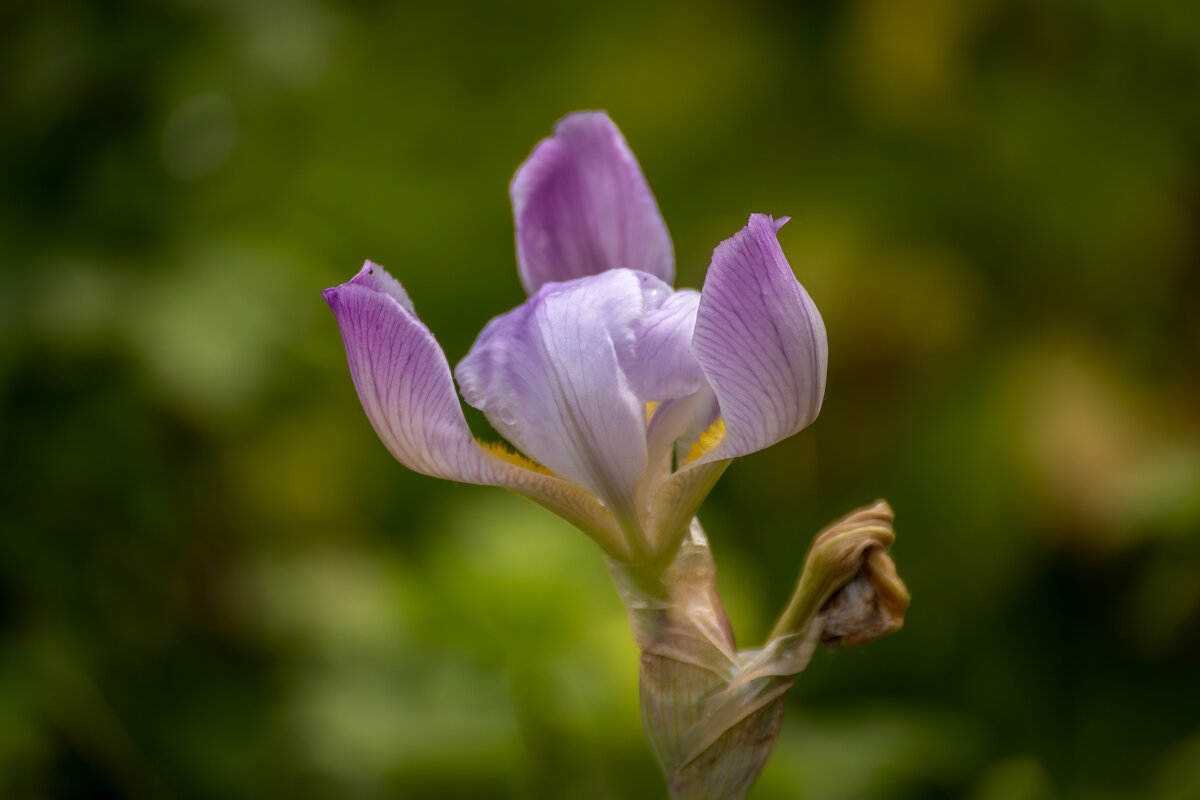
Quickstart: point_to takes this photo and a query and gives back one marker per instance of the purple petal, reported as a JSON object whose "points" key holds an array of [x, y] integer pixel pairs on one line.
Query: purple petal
{"points": [[665, 367], [582, 206], [760, 341], [552, 377], [407, 391], [666, 372], [704, 412], [403, 380]]}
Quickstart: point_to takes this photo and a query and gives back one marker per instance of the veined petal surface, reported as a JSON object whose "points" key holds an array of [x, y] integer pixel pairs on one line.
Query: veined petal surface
{"points": [[582, 206], [405, 385], [760, 340], [552, 377], [403, 380]]}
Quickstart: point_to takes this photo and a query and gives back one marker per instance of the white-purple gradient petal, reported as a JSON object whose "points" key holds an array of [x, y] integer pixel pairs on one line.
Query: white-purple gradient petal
{"points": [[760, 340], [582, 206], [405, 386], [552, 377]]}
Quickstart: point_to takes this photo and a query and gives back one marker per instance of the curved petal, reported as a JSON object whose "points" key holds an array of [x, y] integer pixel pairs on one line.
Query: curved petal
{"points": [[403, 380], [582, 206], [405, 386], [665, 368], [552, 377], [699, 428], [760, 341]]}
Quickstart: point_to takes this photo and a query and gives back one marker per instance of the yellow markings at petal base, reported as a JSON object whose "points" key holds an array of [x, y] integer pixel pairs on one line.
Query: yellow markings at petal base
{"points": [[503, 451], [706, 441], [651, 407]]}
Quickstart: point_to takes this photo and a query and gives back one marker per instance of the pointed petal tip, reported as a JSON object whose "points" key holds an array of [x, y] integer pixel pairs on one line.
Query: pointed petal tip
{"points": [[375, 278], [764, 223], [760, 341], [403, 380], [405, 386]]}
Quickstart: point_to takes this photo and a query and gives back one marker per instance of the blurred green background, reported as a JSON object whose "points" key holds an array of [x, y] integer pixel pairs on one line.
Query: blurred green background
{"points": [[215, 582]]}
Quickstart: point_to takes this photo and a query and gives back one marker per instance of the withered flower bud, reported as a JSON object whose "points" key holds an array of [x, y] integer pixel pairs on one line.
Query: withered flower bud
{"points": [[713, 712]]}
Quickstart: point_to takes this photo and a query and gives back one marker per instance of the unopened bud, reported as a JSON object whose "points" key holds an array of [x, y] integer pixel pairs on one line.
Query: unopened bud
{"points": [[849, 592], [867, 608]]}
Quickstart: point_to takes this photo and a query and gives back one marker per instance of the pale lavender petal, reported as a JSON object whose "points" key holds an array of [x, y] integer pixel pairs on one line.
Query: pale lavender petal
{"points": [[582, 206], [760, 341], [406, 389], [552, 377], [404, 381], [669, 423], [665, 367]]}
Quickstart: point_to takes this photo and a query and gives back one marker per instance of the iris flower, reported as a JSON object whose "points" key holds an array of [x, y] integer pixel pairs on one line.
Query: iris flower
{"points": [[623, 399]]}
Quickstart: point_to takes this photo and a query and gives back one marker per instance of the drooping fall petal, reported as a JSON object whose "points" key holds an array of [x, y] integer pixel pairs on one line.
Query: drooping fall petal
{"points": [[582, 206], [403, 380], [404, 383]]}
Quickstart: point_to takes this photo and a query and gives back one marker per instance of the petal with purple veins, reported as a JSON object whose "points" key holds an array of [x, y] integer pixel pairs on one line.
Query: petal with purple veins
{"points": [[405, 386], [582, 206], [760, 340], [552, 377], [403, 380]]}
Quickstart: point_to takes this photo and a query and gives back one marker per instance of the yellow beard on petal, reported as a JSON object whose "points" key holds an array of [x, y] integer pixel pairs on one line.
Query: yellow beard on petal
{"points": [[707, 440], [502, 451]]}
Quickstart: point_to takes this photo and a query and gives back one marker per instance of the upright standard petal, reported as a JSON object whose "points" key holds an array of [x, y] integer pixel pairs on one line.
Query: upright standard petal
{"points": [[552, 377], [760, 341], [403, 380], [582, 206]]}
